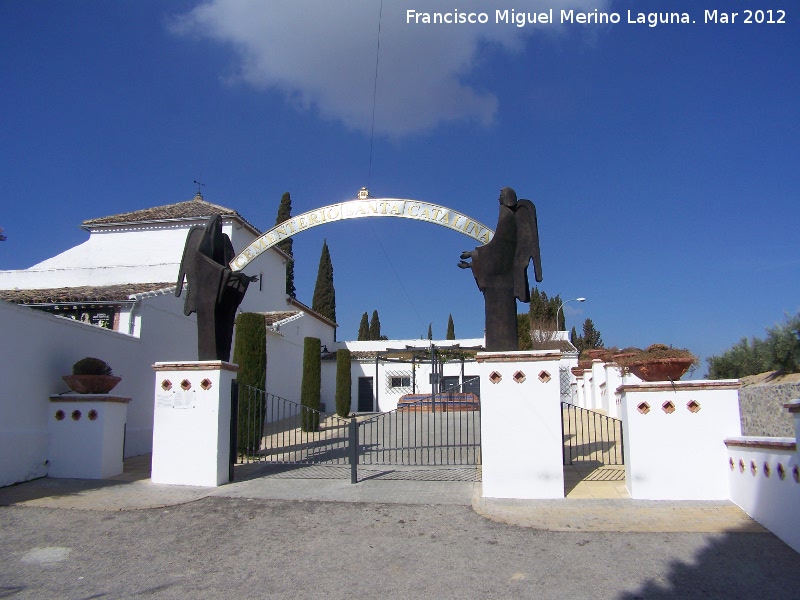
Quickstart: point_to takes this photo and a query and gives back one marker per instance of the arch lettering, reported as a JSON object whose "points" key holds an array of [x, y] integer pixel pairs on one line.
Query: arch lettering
{"points": [[369, 207]]}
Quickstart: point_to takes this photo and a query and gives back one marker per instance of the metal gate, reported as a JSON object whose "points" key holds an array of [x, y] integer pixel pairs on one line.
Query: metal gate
{"points": [[438, 429], [433, 430], [591, 436]]}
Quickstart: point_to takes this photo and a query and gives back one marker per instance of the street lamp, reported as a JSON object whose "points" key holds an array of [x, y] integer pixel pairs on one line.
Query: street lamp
{"points": [[562, 306]]}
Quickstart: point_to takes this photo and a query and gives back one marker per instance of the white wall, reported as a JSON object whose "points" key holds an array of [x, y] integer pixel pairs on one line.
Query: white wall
{"points": [[772, 500], [678, 455], [143, 253], [45, 348], [285, 356]]}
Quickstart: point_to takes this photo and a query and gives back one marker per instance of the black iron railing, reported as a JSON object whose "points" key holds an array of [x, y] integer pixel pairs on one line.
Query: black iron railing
{"points": [[273, 429], [443, 429], [591, 436]]}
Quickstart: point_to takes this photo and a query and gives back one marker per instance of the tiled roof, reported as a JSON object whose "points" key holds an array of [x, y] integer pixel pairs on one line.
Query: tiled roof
{"points": [[84, 294], [197, 208], [270, 318], [561, 345]]}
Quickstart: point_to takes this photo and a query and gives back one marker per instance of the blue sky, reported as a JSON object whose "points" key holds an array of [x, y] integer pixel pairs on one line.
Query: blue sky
{"points": [[663, 160]]}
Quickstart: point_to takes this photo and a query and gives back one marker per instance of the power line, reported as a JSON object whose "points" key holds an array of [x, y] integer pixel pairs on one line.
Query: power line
{"points": [[374, 95]]}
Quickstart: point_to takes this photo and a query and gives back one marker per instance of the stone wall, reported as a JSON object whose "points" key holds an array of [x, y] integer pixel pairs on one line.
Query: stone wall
{"points": [[762, 412]]}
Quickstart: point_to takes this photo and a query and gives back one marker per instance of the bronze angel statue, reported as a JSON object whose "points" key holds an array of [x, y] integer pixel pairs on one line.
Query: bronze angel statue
{"points": [[215, 291], [501, 269]]}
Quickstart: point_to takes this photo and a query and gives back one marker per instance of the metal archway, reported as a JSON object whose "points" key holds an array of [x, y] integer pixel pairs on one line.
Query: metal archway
{"points": [[365, 207]]}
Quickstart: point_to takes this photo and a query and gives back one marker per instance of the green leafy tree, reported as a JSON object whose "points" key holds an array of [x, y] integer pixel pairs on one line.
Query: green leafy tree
{"points": [[250, 353], [780, 351], [451, 329], [363, 328], [740, 360], [783, 345], [284, 214], [311, 385], [344, 382], [375, 326], [591, 336], [324, 301]]}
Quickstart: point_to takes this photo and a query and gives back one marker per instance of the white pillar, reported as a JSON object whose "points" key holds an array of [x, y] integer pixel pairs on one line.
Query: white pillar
{"points": [[86, 435], [191, 422], [521, 436]]}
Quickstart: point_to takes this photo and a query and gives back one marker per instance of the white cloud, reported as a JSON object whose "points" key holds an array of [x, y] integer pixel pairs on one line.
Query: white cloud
{"points": [[321, 55]]}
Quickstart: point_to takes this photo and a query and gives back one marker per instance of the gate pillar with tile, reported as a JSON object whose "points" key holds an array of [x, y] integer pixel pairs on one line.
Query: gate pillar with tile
{"points": [[521, 425]]}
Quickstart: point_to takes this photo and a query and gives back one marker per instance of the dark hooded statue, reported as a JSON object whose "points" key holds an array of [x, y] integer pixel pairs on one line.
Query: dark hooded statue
{"points": [[501, 269], [214, 291]]}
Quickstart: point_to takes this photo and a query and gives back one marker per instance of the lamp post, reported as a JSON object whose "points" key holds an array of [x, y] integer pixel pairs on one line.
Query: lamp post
{"points": [[562, 306]]}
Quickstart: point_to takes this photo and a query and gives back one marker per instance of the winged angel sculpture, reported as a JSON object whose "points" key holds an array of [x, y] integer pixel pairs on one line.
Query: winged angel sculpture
{"points": [[501, 269], [214, 290]]}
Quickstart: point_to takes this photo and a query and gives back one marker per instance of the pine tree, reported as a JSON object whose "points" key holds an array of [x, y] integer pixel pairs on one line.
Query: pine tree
{"points": [[363, 328], [284, 214], [451, 330], [591, 337], [324, 301], [544, 310], [375, 326], [430, 331]]}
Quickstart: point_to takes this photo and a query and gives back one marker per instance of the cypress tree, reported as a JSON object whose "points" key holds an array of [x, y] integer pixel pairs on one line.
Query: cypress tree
{"points": [[250, 353], [284, 214], [324, 301], [344, 383], [375, 326], [575, 339], [430, 331], [363, 328], [451, 330], [311, 385]]}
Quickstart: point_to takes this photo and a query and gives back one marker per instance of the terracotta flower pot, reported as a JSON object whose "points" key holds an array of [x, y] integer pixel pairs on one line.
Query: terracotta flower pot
{"points": [[577, 371], [91, 384], [661, 369]]}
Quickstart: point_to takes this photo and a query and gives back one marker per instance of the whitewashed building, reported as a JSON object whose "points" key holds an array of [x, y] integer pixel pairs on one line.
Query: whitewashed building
{"points": [[116, 291]]}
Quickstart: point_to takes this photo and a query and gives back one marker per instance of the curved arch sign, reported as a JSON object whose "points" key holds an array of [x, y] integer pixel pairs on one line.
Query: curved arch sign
{"points": [[369, 207]]}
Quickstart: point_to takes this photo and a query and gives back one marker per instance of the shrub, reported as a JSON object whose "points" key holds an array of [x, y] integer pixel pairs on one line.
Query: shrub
{"points": [[311, 384], [91, 366], [250, 353], [343, 382]]}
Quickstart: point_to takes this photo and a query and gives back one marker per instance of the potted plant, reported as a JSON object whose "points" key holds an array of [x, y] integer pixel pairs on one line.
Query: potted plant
{"points": [[91, 376], [657, 362]]}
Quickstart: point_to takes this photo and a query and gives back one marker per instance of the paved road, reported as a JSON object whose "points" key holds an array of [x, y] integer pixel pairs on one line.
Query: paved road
{"points": [[250, 547], [305, 533]]}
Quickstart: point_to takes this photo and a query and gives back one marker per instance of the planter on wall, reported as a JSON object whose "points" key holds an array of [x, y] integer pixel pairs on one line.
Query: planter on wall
{"points": [[661, 369], [92, 384]]}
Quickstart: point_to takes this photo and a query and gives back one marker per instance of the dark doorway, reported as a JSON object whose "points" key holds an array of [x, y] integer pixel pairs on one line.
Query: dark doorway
{"points": [[472, 383], [366, 397]]}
